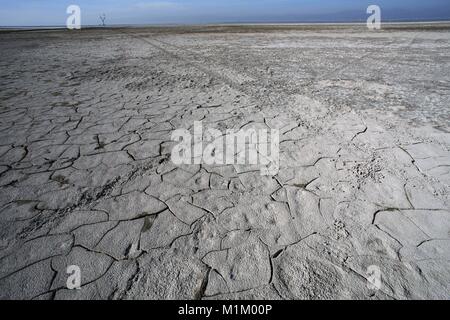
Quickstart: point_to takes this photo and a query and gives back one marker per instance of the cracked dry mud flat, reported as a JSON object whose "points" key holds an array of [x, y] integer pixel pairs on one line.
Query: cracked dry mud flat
{"points": [[86, 177]]}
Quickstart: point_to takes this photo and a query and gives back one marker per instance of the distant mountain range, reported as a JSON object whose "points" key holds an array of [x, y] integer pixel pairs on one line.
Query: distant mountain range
{"points": [[392, 14]]}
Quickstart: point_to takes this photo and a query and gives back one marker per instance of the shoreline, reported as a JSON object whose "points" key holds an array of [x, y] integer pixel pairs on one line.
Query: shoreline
{"points": [[399, 24]]}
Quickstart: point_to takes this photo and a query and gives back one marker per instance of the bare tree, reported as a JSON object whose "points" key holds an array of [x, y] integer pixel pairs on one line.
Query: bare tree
{"points": [[103, 18]]}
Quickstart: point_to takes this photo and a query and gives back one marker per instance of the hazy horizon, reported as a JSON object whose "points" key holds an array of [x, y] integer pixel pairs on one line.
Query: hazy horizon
{"points": [[147, 12]]}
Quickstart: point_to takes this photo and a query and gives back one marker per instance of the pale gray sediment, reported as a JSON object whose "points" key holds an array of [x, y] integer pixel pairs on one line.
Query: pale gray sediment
{"points": [[86, 177]]}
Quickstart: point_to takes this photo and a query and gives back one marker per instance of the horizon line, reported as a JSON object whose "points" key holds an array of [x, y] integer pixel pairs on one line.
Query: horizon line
{"points": [[336, 22]]}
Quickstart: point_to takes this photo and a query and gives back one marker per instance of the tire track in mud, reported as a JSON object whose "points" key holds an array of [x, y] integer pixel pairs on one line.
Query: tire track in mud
{"points": [[233, 84], [272, 94], [253, 91], [245, 87]]}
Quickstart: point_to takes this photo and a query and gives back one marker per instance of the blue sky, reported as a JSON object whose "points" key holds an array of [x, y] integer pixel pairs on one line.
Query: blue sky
{"points": [[53, 12]]}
